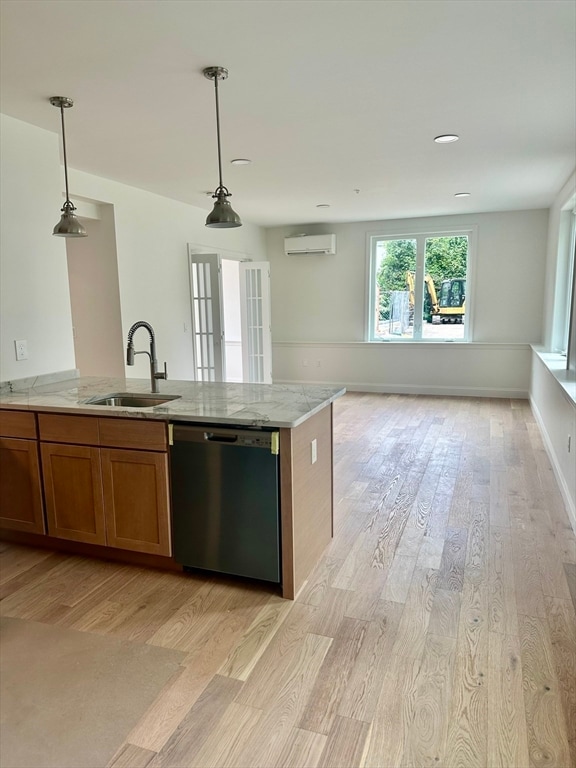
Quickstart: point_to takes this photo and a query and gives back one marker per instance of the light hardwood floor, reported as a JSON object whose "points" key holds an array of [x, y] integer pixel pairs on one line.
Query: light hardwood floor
{"points": [[438, 629]]}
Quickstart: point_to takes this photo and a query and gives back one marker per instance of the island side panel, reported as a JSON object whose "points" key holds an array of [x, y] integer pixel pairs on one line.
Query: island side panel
{"points": [[306, 500]]}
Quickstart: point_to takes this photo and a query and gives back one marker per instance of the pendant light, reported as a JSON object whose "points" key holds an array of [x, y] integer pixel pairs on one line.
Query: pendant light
{"points": [[222, 215], [69, 224]]}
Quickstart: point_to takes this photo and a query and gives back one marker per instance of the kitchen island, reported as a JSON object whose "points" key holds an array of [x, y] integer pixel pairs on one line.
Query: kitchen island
{"points": [[115, 460]]}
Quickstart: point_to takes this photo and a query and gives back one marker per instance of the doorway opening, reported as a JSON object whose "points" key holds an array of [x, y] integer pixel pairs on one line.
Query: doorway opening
{"points": [[230, 301], [95, 293]]}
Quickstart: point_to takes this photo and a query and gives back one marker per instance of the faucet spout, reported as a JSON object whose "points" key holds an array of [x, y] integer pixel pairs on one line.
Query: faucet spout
{"points": [[131, 352]]}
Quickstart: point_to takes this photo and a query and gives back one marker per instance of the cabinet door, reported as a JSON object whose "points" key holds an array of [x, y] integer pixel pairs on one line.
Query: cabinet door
{"points": [[136, 500], [20, 493], [73, 492]]}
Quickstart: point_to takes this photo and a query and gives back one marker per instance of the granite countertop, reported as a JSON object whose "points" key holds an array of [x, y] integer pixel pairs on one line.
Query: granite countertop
{"points": [[273, 405]]}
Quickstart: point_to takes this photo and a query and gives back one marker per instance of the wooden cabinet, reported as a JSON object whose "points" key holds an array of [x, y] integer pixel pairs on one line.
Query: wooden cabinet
{"points": [[21, 506], [135, 487], [111, 486], [73, 490]]}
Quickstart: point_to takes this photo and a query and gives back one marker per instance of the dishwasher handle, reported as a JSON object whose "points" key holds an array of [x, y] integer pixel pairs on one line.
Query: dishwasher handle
{"points": [[212, 437], [243, 438]]}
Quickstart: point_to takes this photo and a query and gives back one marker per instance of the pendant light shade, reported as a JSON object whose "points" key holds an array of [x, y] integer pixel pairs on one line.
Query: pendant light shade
{"points": [[69, 224], [223, 215]]}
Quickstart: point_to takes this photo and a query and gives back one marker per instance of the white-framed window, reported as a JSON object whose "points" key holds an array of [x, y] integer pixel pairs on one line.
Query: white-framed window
{"points": [[564, 297], [419, 286]]}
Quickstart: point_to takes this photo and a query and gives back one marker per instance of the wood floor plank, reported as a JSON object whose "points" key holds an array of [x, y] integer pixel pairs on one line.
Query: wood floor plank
{"points": [[328, 691], [547, 733], [17, 560], [229, 736], [430, 554], [499, 514], [502, 604], [173, 703], [432, 691], [413, 627], [507, 734], [527, 579], [195, 729], [277, 662], [570, 573], [21, 578], [245, 655], [399, 579], [303, 749], [394, 714], [445, 614], [552, 573], [360, 696], [451, 572], [345, 745], [320, 579], [562, 626], [284, 705], [331, 611], [130, 756]]}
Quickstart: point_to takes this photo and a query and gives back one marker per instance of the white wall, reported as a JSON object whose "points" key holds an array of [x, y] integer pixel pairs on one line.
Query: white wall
{"points": [[152, 233], [34, 298], [322, 300], [95, 297], [555, 411], [553, 406]]}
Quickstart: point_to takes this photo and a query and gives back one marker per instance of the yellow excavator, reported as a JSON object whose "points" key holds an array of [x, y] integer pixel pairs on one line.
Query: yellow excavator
{"points": [[450, 307]]}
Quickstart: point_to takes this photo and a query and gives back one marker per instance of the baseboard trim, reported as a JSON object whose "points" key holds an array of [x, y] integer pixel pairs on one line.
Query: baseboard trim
{"points": [[568, 503], [409, 389]]}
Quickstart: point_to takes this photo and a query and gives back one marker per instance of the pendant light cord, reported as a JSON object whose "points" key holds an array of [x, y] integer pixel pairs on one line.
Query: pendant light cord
{"points": [[220, 186], [64, 148]]}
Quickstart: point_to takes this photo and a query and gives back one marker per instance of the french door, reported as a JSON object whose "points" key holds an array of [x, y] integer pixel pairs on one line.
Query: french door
{"points": [[255, 310], [207, 319], [208, 328]]}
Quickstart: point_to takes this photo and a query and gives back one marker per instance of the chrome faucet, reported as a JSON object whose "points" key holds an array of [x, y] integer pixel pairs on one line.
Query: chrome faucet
{"points": [[130, 352]]}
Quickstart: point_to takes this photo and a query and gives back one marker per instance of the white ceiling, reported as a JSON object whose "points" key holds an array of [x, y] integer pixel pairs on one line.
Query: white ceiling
{"points": [[326, 97]]}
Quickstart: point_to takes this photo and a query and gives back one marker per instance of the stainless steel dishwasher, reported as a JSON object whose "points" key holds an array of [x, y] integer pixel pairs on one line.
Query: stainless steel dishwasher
{"points": [[225, 512]]}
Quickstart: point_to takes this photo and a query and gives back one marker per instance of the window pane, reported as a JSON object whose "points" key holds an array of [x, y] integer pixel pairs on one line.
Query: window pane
{"points": [[444, 307], [394, 301]]}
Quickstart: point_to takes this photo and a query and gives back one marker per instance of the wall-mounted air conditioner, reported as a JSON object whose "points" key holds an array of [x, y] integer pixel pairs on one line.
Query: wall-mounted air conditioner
{"points": [[310, 244]]}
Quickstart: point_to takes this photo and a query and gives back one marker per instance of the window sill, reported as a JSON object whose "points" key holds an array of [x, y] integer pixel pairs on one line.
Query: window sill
{"points": [[556, 364]]}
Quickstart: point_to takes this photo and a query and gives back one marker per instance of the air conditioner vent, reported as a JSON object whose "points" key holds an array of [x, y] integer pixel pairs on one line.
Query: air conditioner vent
{"points": [[310, 244]]}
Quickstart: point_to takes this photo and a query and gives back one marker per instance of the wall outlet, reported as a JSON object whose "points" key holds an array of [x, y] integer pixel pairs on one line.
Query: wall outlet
{"points": [[313, 451], [21, 350]]}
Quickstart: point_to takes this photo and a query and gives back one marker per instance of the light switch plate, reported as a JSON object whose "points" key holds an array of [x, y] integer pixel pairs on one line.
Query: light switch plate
{"points": [[21, 350], [314, 451]]}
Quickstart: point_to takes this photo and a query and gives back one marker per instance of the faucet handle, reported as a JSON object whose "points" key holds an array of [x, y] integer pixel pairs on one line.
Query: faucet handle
{"points": [[161, 374]]}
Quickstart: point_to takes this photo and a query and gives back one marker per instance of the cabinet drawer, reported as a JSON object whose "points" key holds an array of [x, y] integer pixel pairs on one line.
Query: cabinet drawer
{"points": [[17, 424], [133, 433], [81, 430]]}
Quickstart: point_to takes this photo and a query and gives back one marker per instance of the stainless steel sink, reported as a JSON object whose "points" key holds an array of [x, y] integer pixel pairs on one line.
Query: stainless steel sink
{"points": [[131, 399]]}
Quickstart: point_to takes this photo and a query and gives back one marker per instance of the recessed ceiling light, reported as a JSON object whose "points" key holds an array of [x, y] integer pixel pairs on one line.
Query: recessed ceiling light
{"points": [[462, 194], [323, 205], [446, 138], [240, 161]]}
